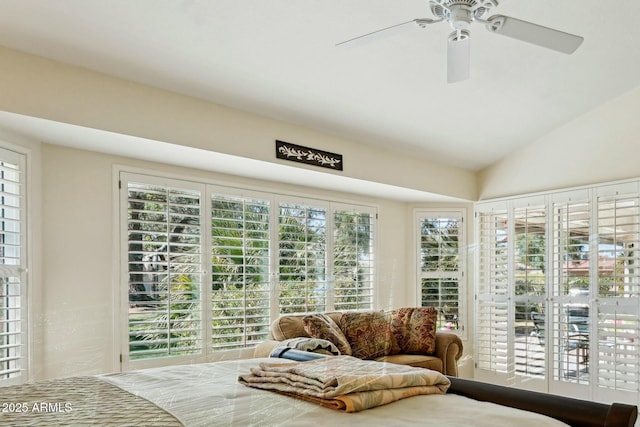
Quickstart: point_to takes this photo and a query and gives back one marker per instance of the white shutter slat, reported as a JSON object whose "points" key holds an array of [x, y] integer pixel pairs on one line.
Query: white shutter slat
{"points": [[493, 253], [491, 342]]}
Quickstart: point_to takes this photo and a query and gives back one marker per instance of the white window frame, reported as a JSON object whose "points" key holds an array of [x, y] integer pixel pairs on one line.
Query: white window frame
{"points": [[460, 275]]}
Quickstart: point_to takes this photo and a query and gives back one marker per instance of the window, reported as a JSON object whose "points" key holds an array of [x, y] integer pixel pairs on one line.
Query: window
{"points": [[241, 279], [302, 253], [353, 258], [13, 281], [559, 292], [267, 255], [440, 264], [164, 257]]}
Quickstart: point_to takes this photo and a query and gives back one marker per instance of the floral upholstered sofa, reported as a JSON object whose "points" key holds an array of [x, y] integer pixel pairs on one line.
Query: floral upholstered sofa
{"points": [[405, 336]]}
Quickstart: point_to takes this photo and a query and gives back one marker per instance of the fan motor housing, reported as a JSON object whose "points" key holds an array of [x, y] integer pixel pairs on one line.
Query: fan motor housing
{"points": [[461, 10]]}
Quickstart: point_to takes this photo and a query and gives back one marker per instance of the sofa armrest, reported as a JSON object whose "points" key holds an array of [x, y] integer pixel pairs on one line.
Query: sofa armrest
{"points": [[449, 350], [265, 348]]}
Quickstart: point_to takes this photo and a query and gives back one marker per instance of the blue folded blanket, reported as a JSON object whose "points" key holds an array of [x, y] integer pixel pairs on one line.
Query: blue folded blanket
{"points": [[297, 355]]}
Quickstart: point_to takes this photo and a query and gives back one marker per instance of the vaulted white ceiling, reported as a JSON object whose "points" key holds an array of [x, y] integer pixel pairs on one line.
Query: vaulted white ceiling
{"points": [[278, 58]]}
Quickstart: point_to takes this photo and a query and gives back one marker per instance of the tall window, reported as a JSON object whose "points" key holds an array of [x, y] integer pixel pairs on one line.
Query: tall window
{"points": [[13, 309], [302, 258], [241, 280], [559, 292], [440, 264], [353, 258], [164, 268], [267, 255]]}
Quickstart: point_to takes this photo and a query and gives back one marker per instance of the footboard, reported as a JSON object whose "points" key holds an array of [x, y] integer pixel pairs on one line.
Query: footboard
{"points": [[575, 412]]}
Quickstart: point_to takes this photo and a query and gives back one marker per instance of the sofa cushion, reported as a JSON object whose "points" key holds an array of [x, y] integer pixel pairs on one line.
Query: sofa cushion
{"points": [[290, 326], [321, 326], [414, 329], [369, 334], [417, 360]]}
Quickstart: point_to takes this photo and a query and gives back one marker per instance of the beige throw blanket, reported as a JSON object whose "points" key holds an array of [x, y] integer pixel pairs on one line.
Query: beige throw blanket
{"points": [[346, 383]]}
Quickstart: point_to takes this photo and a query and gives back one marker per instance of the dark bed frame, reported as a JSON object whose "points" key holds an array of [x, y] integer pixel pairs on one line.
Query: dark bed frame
{"points": [[575, 412]]}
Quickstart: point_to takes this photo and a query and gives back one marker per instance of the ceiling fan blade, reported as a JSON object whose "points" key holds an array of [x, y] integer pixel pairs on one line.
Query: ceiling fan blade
{"points": [[388, 32], [534, 33], [458, 56]]}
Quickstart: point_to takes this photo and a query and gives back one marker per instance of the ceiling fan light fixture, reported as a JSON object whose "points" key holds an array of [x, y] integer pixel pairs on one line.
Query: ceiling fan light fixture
{"points": [[460, 18], [478, 8]]}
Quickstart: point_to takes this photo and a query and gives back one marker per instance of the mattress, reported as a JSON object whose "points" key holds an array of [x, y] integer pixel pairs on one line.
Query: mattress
{"points": [[210, 394]]}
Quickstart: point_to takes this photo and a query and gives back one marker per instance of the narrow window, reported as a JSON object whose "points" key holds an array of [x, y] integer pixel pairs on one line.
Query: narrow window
{"points": [[440, 271], [240, 259], [164, 269]]}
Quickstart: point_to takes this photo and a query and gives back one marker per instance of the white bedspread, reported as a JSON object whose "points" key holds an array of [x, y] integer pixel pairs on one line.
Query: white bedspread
{"points": [[209, 395]]}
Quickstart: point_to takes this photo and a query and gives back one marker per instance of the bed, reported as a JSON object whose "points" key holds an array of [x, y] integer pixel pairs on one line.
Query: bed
{"points": [[210, 394]]}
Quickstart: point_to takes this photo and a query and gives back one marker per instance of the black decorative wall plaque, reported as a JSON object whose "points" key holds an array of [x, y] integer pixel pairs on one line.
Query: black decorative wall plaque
{"points": [[310, 156]]}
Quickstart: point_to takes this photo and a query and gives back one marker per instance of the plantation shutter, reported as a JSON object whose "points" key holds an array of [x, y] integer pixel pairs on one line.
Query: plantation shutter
{"points": [[440, 264], [589, 320], [13, 310], [570, 307], [164, 269], [302, 256], [240, 233], [208, 268], [528, 327], [511, 301], [353, 258], [492, 305], [618, 289]]}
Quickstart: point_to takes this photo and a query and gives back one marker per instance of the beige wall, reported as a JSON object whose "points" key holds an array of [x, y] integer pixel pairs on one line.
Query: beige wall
{"points": [[77, 277], [600, 146]]}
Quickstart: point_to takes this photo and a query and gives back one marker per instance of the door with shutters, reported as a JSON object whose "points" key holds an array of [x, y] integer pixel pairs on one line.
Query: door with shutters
{"points": [[558, 293]]}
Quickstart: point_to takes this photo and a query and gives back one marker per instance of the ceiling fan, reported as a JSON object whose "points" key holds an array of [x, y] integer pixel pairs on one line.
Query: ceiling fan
{"points": [[460, 14]]}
